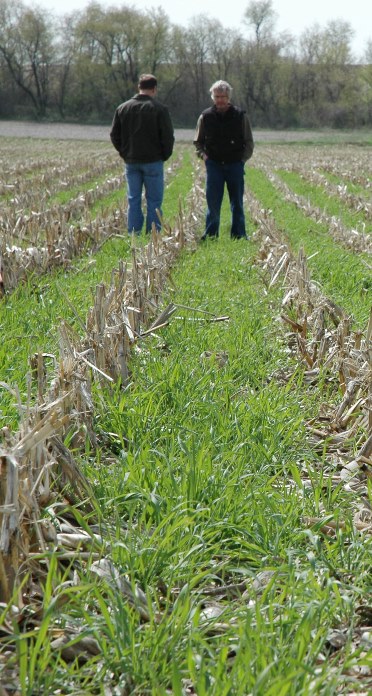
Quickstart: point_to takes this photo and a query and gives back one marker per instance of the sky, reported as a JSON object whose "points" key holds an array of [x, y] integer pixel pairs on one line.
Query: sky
{"points": [[293, 16]]}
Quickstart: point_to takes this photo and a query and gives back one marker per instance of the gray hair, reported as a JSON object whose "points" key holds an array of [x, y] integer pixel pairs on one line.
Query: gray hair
{"points": [[221, 86]]}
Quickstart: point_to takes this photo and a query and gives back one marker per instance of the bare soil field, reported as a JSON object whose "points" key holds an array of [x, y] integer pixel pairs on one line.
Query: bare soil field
{"points": [[73, 131]]}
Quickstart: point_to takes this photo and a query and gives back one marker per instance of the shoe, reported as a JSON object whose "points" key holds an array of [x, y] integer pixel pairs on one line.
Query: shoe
{"points": [[242, 236], [204, 237]]}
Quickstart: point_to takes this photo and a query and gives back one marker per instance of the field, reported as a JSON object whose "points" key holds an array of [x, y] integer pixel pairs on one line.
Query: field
{"points": [[186, 428]]}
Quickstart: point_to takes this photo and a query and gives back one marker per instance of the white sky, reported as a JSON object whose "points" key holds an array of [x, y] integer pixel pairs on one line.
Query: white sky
{"points": [[292, 15]]}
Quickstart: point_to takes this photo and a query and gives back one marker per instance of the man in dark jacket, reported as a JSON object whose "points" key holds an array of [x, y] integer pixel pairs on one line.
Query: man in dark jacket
{"points": [[223, 139], [142, 133]]}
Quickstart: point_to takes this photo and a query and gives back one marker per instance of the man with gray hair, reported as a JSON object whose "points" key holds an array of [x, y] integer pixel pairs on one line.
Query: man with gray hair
{"points": [[223, 139]]}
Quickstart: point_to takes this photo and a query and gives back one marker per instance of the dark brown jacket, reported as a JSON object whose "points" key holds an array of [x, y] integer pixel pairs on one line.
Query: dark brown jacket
{"points": [[142, 130]]}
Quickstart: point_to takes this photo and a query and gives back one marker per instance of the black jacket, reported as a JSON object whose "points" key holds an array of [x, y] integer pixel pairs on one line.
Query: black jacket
{"points": [[224, 136], [142, 130]]}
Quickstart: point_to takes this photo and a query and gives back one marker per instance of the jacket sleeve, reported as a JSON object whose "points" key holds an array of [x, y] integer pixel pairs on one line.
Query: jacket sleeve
{"points": [[115, 133], [166, 134], [199, 140], [248, 138]]}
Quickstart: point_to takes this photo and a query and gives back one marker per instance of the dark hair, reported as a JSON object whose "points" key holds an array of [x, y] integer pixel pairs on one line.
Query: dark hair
{"points": [[147, 82]]}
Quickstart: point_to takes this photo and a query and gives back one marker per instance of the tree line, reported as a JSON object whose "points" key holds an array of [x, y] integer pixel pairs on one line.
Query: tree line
{"points": [[78, 67]]}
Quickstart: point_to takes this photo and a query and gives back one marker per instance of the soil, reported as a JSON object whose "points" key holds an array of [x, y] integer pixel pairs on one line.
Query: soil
{"points": [[71, 131], [66, 131]]}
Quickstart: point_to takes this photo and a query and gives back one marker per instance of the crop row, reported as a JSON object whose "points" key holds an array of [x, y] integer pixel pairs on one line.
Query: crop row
{"points": [[355, 237], [32, 154], [348, 164], [38, 231], [59, 551], [61, 543]]}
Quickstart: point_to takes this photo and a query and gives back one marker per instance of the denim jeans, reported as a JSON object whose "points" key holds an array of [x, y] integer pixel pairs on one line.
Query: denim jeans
{"points": [[217, 176], [150, 176]]}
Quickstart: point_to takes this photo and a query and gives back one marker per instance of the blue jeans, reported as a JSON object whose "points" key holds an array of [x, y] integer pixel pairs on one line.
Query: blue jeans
{"points": [[217, 176], [150, 176]]}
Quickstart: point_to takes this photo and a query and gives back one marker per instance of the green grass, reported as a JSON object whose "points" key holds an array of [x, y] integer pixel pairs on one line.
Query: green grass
{"points": [[332, 205], [343, 275], [202, 456], [179, 185], [65, 196], [342, 180], [31, 315], [198, 485]]}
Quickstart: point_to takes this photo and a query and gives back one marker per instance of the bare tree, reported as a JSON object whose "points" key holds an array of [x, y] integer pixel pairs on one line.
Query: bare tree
{"points": [[26, 46], [66, 52], [329, 73], [330, 45], [157, 43], [192, 54], [84, 64], [261, 16]]}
